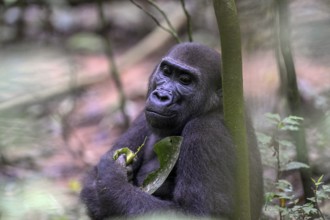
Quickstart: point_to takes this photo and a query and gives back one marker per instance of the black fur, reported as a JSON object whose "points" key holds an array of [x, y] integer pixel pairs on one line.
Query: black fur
{"points": [[184, 98]]}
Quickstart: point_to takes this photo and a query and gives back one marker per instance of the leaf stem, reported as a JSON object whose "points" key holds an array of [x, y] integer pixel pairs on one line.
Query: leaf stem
{"points": [[140, 147]]}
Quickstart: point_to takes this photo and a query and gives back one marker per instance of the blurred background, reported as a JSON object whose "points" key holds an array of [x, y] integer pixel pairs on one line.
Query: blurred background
{"points": [[61, 107]]}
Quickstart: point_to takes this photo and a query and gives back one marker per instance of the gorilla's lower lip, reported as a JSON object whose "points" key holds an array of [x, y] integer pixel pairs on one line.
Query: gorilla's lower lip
{"points": [[161, 114]]}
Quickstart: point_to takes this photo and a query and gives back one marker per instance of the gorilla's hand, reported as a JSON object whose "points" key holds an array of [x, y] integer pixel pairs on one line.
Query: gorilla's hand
{"points": [[129, 168], [110, 170], [122, 160], [113, 173]]}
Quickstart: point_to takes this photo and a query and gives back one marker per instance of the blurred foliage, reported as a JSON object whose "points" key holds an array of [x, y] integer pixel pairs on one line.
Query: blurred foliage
{"points": [[288, 206], [86, 42], [58, 18], [276, 149], [282, 199], [19, 130], [37, 199], [8, 2], [25, 193]]}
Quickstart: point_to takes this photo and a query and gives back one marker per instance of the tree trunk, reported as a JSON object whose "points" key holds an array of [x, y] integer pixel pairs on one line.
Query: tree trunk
{"points": [[233, 99], [292, 93]]}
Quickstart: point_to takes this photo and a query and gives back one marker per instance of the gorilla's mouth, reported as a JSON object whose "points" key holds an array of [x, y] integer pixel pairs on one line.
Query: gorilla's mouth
{"points": [[161, 115]]}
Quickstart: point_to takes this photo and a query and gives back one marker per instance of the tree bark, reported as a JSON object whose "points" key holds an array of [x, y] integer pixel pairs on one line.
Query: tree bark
{"points": [[234, 113]]}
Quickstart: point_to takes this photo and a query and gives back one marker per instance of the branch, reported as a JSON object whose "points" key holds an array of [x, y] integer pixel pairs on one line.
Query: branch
{"points": [[189, 27], [114, 70], [170, 30]]}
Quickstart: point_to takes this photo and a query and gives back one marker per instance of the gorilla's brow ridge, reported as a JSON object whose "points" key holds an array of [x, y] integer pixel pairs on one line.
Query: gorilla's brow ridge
{"points": [[180, 65]]}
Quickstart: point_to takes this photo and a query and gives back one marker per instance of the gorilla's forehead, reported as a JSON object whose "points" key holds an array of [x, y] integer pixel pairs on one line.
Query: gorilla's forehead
{"points": [[196, 56], [182, 65]]}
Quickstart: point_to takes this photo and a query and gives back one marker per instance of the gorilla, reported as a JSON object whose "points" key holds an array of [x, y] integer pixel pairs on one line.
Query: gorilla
{"points": [[184, 99]]}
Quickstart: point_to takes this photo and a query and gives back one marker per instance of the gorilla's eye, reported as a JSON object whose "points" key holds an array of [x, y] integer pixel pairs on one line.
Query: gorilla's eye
{"points": [[166, 70], [185, 79]]}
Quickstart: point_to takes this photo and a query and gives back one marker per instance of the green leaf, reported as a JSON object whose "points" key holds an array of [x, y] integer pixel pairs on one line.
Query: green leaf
{"points": [[274, 118], [130, 155], [320, 179], [286, 143], [284, 186], [291, 123], [326, 188], [289, 128], [269, 196], [167, 151], [125, 150], [263, 138], [309, 209], [294, 118], [295, 165]]}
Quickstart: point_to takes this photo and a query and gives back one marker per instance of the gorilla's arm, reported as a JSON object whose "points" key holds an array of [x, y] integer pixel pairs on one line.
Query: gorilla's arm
{"points": [[206, 168], [132, 138], [118, 197], [204, 178]]}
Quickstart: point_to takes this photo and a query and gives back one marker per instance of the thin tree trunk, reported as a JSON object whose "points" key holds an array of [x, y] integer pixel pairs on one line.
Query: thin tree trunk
{"points": [[292, 93], [234, 112]]}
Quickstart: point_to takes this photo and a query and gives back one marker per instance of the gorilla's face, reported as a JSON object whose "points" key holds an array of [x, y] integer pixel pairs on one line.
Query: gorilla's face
{"points": [[182, 87], [174, 89]]}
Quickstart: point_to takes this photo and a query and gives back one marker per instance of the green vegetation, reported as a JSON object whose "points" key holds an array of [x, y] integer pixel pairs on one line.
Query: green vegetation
{"points": [[281, 196]]}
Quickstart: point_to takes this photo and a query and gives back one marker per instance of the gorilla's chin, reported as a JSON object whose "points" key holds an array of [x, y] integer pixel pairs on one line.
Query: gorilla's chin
{"points": [[160, 120]]}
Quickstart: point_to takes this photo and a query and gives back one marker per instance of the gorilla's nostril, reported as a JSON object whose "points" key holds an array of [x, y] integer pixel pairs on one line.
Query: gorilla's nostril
{"points": [[162, 96]]}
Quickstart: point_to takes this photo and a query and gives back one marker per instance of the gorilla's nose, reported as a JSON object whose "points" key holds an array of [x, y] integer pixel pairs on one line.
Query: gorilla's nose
{"points": [[162, 97]]}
